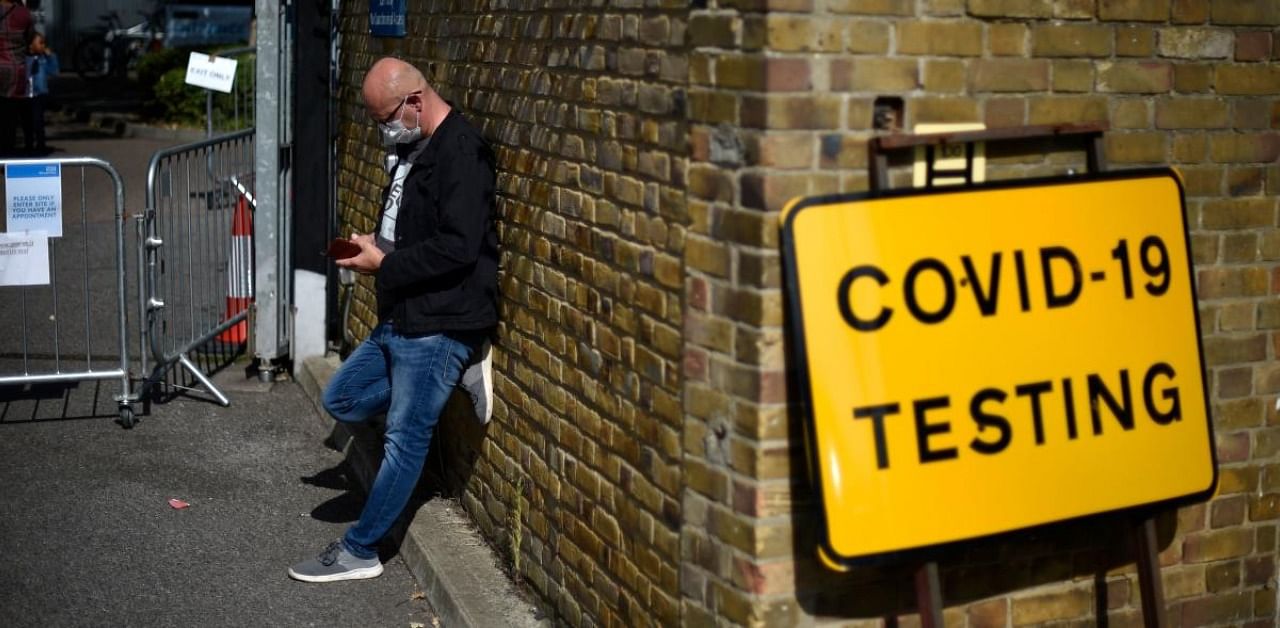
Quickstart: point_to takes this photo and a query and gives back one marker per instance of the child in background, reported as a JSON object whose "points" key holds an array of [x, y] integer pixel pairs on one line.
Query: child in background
{"points": [[42, 64]]}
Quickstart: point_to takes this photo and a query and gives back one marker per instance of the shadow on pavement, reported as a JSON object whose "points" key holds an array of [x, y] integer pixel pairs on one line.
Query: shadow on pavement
{"points": [[57, 402], [343, 508]]}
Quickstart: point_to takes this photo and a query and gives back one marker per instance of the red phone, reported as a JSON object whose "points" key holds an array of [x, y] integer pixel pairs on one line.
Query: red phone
{"points": [[342, 248]]}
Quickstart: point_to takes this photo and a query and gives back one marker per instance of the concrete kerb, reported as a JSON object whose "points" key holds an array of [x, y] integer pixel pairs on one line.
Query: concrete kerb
{"points": [[143, 131], [455, 567], [125, 125]]}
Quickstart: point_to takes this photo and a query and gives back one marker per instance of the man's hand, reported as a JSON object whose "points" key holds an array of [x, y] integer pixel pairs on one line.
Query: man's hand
{"points": [[370, 258]]}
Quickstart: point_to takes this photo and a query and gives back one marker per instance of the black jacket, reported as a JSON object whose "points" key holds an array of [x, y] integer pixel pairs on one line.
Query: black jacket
{"points": [[443, 273]]}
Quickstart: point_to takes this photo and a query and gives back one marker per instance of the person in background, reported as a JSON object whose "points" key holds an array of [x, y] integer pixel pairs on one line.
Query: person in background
{"points": [[42, 64], [16, 30]]}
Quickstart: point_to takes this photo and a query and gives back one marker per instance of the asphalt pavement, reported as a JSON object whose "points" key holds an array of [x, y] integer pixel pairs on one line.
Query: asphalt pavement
{"points": [[90, 538], [87, 531]]}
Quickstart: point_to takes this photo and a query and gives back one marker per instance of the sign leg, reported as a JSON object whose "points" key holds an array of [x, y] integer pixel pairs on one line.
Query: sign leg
{"points": [[879, 175], [929, 595], [1149, 584]]}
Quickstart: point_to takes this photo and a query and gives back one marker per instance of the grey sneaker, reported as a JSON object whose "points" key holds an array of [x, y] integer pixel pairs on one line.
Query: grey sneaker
{"points": [[336, 563]]}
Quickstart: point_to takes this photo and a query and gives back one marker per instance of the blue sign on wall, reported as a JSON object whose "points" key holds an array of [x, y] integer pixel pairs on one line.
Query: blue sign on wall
{"points": [[386, 18]]}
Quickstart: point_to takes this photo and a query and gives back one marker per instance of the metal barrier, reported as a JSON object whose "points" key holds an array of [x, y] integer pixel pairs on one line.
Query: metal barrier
{"points": [[231, 112], [196, 256], [59, 335]]}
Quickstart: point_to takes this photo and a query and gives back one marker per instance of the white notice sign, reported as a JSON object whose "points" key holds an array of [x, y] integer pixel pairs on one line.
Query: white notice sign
{"points": [[24, 259], [216, 73], [33, 198]]}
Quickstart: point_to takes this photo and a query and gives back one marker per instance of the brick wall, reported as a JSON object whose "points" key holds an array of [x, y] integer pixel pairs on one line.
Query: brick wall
{"points": [[793, 82], [643, 439]]}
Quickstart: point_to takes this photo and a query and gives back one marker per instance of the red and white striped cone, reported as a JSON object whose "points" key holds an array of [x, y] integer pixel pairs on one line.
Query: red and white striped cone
{"points": [[239, 272]]}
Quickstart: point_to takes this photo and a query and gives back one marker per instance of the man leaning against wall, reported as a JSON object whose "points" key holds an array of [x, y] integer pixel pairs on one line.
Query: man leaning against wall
{"points": [[434, 257]]}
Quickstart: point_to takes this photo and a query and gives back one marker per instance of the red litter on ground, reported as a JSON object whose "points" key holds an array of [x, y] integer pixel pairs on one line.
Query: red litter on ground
{"points": [[177, 504]]}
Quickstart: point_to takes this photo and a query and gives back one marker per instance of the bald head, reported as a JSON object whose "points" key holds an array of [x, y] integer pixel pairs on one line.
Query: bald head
{"points": [[389, 81], [394, 89]]}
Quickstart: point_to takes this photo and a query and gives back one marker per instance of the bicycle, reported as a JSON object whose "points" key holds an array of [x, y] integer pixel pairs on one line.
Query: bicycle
{"points": [[114, 48]]}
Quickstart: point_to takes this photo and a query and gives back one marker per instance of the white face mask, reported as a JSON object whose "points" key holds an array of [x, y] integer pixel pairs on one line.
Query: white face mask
{"points": [[395, 132]]}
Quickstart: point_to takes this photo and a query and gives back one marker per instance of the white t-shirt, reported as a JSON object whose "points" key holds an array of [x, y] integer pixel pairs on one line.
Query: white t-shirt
{"points": [[398, 167]]}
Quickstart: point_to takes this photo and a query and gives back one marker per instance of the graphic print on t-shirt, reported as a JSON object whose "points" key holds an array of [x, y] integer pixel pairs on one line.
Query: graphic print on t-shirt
{"points": [[387, 234]]}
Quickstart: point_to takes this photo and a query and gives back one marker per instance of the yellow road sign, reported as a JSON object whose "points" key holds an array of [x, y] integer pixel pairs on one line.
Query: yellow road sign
{"points": [[984, 360]]}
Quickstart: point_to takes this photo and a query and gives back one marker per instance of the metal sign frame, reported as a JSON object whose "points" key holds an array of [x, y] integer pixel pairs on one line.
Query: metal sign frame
{"points": [[928, 590], [64, 371]]}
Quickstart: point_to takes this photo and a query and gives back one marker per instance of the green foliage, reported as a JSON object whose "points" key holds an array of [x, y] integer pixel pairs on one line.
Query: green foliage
{"points": [[179, 103], [154, 64], [172, 101]]}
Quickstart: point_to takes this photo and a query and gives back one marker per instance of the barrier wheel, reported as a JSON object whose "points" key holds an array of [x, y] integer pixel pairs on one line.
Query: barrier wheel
{"points": [[127, 420]]}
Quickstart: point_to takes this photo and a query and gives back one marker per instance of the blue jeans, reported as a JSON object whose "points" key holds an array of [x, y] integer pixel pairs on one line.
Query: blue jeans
{"points": [[409, 378]]}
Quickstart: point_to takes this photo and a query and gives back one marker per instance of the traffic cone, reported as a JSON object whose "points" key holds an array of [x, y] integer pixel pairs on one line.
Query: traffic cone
{"points": [[239, 272]]}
